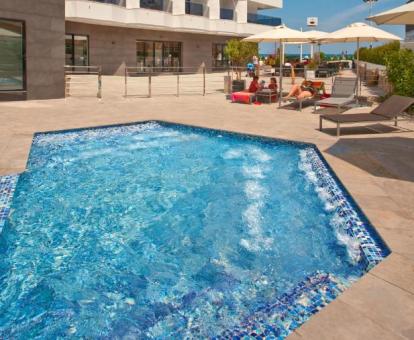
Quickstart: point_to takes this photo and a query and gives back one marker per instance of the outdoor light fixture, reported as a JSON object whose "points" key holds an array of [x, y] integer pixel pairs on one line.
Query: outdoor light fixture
{"points": [[371, 3]]}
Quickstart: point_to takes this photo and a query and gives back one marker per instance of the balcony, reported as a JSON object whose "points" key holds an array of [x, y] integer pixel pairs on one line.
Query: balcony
{"points": [[261, 19], [98, 13], [193, 8], [226, 14]]}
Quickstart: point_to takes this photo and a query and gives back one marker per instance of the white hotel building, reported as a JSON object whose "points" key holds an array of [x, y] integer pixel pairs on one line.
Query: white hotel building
{"points": [[38, 37]]}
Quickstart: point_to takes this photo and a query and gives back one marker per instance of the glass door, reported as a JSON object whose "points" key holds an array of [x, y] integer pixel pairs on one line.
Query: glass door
{"points": [[158, 56], [77, 50], [68, 49], [172, 56], [149, 54], [80, 50]]}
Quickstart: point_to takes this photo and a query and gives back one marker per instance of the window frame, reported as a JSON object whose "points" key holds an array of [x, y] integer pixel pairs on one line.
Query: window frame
{"points": [[24, 61]]}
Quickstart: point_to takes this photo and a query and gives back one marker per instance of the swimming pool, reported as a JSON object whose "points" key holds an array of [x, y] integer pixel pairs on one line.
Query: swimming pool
{"points": [[157, 230]]}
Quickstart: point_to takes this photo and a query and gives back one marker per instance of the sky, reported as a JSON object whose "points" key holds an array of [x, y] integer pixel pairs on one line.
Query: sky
{"points": [[333, 15]]}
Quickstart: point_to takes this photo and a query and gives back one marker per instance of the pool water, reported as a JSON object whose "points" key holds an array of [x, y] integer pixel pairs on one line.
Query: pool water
{"points": [[161, 231]]}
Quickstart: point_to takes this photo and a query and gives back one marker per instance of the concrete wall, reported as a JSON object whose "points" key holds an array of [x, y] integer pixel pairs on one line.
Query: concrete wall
{"points": [[408, 44], [45, 44], [113, 48]]}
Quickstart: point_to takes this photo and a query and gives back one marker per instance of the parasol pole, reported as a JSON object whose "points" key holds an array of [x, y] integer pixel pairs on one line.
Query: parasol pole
{"points": [[280, 73], [358, 78]]}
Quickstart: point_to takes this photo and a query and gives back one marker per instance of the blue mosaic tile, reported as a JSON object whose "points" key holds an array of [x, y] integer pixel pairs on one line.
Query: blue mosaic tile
{"points": [[279, 318], [7, 186], [349, 221]]}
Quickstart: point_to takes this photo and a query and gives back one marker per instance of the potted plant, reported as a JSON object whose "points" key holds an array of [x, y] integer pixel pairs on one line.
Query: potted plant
{"points": [[310, 69], [239, 53]]}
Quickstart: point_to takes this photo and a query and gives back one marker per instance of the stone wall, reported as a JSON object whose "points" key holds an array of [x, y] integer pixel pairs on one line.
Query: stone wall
{"points": [[45, 44], [113, 48]]}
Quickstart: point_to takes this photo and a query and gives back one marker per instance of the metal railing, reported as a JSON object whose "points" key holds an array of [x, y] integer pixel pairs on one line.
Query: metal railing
{"points": [[80, 80], [152, 81]]}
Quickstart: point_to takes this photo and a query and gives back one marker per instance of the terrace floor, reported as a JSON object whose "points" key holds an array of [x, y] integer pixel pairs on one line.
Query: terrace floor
{"points": [[377, 169]]}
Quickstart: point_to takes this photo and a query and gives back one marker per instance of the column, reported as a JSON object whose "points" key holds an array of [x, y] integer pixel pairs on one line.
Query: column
{"points": [[213, 9], [241, 11], [178, 7], [132, 4]]}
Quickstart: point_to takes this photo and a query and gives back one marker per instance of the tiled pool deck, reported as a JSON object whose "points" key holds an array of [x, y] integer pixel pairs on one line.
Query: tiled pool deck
{"points": [[377, 169]]}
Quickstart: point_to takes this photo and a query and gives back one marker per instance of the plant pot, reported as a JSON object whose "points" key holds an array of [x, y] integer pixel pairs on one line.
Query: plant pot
{"points": [[310, 74], [227, 84], [238, 85]]}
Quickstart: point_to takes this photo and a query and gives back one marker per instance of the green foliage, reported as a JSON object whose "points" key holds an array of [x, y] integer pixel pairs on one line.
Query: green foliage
{"points": [[377, 55], [313, 65], [322, 56], [400, 71], [240, 52]]}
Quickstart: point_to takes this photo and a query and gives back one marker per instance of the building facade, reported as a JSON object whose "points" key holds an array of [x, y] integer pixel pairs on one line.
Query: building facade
{"points": [[32, 50], [409, 35], [165, 35]]}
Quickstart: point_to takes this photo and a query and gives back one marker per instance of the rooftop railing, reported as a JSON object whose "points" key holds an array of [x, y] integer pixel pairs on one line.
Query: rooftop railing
{"points": [[262, 19]]}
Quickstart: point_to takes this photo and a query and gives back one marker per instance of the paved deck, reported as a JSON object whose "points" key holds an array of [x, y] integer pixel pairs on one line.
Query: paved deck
{"points": [[377, 168]]}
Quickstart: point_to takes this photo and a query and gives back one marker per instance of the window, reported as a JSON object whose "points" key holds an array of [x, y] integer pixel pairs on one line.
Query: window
{"points": [[409, 33], [220, 60], [12, 55], [152, 4], [193, 8], [162, 55], [77, 50]]}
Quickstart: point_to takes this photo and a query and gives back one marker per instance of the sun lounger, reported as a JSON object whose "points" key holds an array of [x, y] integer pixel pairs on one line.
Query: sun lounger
{"points": [[243, 97], [343, 93], [389, 110]]}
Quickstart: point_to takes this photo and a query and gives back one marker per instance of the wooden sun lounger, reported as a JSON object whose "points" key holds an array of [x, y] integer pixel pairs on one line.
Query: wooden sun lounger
{"points": [[389, 110]]}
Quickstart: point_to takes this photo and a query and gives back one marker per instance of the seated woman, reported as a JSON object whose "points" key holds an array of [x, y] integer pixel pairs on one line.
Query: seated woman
{"points": [[273, 84], [306, 90], [254, 85]]}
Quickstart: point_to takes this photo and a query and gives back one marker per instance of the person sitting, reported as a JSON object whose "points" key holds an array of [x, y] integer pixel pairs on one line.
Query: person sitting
{"points": [[254, 85], [273, 84], [306, 90]]}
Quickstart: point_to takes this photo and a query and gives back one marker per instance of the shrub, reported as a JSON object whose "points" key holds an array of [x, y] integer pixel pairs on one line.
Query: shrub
{"points": [[400, 71], [377, 55], [322, 56]]}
